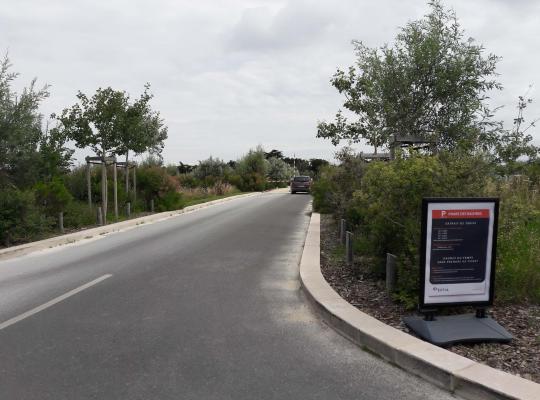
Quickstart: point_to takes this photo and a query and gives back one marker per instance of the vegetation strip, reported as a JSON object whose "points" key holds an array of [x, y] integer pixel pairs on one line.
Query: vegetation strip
{"points": [[460, 375], [16, 251]]}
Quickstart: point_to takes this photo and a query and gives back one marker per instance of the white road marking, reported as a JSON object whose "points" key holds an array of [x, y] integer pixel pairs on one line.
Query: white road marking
{"points": [[52, 302]]}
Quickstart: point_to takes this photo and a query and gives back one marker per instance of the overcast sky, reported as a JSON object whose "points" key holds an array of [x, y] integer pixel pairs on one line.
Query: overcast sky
{"points": [[229, 75]]}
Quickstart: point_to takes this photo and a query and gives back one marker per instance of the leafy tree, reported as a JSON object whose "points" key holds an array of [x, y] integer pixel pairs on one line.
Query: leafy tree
{"points": [[516, 142], [279, 170], [211, 167], [55, 159], [96, 122], [252, 169], [142, 129], [316, 164], [20, 129], [110, 125], [432, 83]]}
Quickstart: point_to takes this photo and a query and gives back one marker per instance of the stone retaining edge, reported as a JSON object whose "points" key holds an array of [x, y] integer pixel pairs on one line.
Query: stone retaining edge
{"points": [[462, 376]]}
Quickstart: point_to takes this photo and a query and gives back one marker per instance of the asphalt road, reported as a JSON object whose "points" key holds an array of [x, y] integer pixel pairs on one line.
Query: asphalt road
{"points": [[206, 305]]}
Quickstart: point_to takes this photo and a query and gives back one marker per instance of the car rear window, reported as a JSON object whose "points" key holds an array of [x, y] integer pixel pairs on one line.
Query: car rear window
{"points": [[301, 179]]}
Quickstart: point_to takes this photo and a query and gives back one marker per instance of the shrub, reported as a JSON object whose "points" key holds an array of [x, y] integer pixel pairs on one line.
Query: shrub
{"points": [[252, 170], [77, 214], [387, 207], [210, 168], [323, 190], [188, 181], [52, 196], [155, 184], [20, 219]]}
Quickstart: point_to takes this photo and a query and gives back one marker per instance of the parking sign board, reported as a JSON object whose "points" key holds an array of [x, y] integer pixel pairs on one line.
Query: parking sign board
{"points": [[458, 251]]}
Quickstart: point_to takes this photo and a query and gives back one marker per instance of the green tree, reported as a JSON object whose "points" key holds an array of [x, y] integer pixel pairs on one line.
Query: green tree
{"points": [[20, 129], [211, 167], [142, 129], [110, 125], [252, 169], [279, 170], [55, 159], [96, 122], [432, 83], [515, 143]]}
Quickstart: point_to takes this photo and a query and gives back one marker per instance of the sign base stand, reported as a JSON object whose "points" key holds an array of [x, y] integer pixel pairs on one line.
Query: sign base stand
{"points": [[464, 328]]}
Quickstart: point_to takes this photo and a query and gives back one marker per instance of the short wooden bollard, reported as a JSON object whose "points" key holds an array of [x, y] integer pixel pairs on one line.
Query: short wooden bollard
{"points": [[390, 272], [342, 230], [128, 209], [349, 247], [152, 205], [99, 216], [61, 222]]}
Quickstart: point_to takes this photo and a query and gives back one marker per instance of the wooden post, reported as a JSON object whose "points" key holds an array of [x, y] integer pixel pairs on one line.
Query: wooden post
{"points": [[61, 222], [349, 247], [104, 189], [152, 205], [390, 272], [115, 190], [134, 185], [342, 231], [99, 216], [128, 209], [89, 182], [127, 173]]}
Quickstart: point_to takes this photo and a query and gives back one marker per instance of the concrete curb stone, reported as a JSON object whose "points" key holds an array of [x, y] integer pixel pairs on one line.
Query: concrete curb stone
{"points": [[70, 238], [462, 376]]}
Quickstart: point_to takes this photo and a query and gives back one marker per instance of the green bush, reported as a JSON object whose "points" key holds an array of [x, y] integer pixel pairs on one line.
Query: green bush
{"points": [[20, 219], [77, 214], [252, 182], [155, 184], [324, 189], [252, 170], [387, 207], [52, 196], [188, 181]]}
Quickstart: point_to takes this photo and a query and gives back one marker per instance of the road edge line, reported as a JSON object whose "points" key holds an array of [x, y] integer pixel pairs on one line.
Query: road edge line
{"points": [[462, 376]]}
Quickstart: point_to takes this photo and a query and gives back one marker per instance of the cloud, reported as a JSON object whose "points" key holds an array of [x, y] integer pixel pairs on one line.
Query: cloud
{"points": [[296, 24], [228, 75]]}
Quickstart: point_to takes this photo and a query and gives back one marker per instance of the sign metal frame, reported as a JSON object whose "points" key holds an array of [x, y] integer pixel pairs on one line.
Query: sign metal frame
{"points": [[423, 250]]}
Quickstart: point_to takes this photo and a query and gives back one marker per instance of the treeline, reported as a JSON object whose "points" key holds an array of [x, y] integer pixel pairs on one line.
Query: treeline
{"points": [[255, 171], [431, 87], [38, 179]]}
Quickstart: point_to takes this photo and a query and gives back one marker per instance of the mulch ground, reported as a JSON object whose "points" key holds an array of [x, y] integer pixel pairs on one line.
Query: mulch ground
{"points": [[521, 357]]}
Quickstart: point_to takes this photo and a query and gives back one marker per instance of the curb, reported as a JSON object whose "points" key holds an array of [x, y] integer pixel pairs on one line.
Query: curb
{"points": [[462, 376], [74, 237]]}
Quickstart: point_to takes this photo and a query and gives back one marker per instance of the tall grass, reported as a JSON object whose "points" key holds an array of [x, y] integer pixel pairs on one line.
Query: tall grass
{"points": [[518, 250]]}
